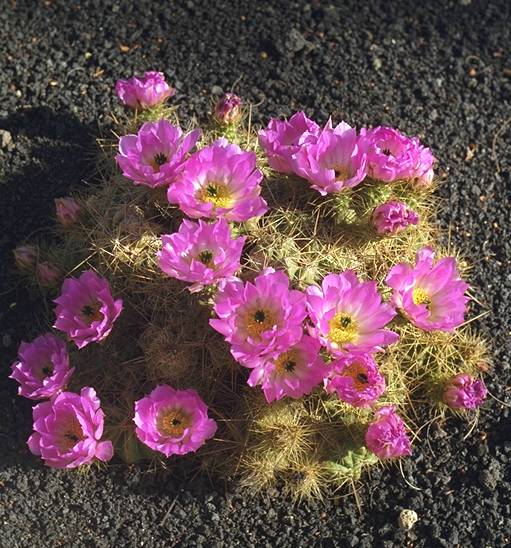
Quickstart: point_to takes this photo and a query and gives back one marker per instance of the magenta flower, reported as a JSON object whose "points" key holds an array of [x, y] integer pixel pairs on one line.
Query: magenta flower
{"points": [[42, 369], [86, 310], [228, 109], [68, 430], [282, 139], [155, 156], [392, 217], [25, 256], [221, 180], [348, 315], [356, 380], [392, 156], [464, 392], [261, 319], [144, 92], [173, 422], [292, 373], [386, 436], [431, 296], [201, 253], [47, 274], [334, 161]]}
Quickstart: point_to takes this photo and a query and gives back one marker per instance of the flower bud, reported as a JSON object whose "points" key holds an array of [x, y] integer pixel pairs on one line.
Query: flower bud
{"points": [[68, 211], [464, 392], [25, 256], [392, 217], [228, 109], [386, 436], [47, 275], [144, 92]]}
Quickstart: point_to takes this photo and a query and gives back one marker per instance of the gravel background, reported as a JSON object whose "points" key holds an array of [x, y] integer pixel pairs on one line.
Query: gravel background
{"points": [[438, 69]]}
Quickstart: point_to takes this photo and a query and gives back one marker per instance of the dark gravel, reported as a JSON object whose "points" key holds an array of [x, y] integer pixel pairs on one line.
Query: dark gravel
{"points": [[440, 69]]}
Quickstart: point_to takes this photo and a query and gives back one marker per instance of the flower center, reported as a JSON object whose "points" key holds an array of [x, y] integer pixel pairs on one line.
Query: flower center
{"points": [[341, 173], [358, 373], [206, 257], [92, 313], [173, 422], [421, 297], [217, 194], [387, 152], [47, 369], [286, 363], [343, 329], [158, 160], [259, 321], [72, 435]]}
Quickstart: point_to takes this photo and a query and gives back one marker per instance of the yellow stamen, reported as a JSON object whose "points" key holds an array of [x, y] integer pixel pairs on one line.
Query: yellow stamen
{"points": [[259, 321], [206, 257], [421, 297], [358, 373], [343, 329], [217, 194], [72, 435], [92, 313], [158, 161], [342, 173], [286, 363], [173, 422]]}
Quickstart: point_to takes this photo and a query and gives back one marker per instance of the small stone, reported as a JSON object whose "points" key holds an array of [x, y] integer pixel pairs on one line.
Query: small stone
{"points": [[6, 140], [216, 90], [6, 340], [295, 41], [407, 519], [377, 63]]}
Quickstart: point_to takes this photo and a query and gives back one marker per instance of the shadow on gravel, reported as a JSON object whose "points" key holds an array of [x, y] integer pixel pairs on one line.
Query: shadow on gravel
{"points": [[50, 153]]}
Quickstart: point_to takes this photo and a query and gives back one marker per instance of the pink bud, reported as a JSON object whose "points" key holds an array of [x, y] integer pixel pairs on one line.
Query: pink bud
{"points": [[228, 109], [392, 217], [48, 275], [25, 256], [68, 211], [464, 392]]}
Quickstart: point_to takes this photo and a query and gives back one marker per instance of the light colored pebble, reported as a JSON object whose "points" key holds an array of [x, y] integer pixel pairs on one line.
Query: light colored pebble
{"points": [[407, 519]]}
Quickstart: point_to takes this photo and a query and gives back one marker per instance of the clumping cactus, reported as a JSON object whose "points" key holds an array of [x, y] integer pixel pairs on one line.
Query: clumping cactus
{"points": [[264, 307]]}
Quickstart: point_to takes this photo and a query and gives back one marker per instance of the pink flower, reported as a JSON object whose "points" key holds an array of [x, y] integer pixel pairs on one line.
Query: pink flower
{"points": [[431, 296], [86, 310], [334, 161], [292, 373], [47, 274], [68, 211], [201, 253], [356, 380], [392, 156], [392, 217], [221, 180], [144, 92], [228, 109], [348, 315], [464, 392], [42, 369], [68, 430], [284, 138], [25, 256], [173, 422], [386, 436], [260, 319], [155, 156]]}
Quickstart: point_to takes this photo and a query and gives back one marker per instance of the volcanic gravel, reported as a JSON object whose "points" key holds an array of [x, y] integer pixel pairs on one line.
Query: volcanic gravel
{"points": [[437, 69]]}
